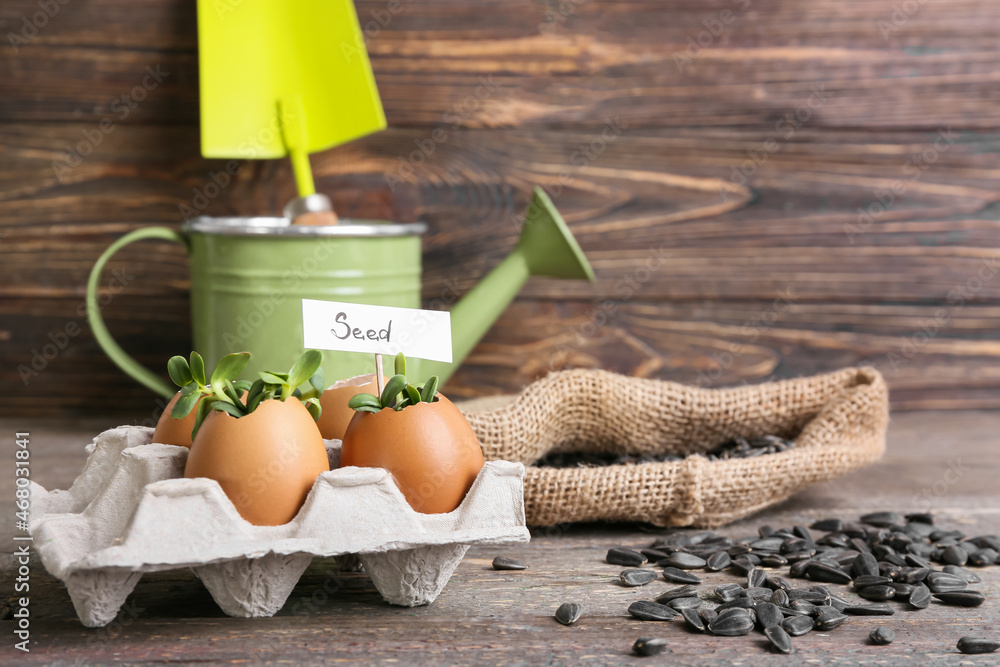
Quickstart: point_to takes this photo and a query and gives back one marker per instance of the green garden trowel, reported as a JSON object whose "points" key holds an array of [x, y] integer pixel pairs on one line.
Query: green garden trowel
{"points": [[284, 78]]}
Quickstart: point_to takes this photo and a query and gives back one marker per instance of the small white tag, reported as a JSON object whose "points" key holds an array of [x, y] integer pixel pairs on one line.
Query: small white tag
{"points": [[356, 327]]}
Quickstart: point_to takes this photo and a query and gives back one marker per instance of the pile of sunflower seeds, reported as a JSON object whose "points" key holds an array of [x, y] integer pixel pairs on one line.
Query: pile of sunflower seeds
{"points": [[738, 448], [886, 558]]}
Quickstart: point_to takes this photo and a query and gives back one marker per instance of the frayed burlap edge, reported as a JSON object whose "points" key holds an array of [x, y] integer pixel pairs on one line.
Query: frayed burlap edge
{"points": [[838, 421]]}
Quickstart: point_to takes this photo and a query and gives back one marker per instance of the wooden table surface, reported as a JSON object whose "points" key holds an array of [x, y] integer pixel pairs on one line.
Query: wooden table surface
{"points": [[490, 617]]}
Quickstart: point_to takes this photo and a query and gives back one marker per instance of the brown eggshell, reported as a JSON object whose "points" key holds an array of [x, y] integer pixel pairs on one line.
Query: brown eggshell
{"points": [[266, 461], [429, 448], [170, 431], [336, 415]]}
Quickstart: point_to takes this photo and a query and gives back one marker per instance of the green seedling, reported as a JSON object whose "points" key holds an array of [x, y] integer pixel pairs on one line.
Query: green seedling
{"points": [[223, 392], [398, 393]]}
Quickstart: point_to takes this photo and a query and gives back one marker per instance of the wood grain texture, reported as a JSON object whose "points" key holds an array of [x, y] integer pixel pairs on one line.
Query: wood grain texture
{"points": [[709, 200], [485, 617], [569, 62]]}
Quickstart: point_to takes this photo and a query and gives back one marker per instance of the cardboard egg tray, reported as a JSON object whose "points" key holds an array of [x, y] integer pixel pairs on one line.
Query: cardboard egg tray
{"points": [[131, 511]]}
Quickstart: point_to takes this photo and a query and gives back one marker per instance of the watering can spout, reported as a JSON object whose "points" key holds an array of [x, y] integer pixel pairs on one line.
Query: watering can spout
{"points": [[545, 248]]}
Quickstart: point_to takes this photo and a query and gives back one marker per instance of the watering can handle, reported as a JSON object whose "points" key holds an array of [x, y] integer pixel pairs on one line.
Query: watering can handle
{"points": [[101, 333]]}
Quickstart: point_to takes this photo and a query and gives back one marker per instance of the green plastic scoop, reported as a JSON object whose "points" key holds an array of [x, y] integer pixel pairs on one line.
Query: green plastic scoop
{"points": [[283, 77]]}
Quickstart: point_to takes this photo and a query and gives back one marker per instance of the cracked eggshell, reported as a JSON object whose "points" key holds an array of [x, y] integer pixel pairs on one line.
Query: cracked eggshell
{"points": [[336, 416], [266, 462], [429, 448], [170, 431]]}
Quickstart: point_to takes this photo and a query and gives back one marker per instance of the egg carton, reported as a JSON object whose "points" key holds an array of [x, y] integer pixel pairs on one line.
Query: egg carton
{"points": [[132, 511]]}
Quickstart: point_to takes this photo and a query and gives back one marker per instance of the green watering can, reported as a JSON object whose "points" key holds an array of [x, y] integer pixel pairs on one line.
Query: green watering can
{"points": [[249, 276]]}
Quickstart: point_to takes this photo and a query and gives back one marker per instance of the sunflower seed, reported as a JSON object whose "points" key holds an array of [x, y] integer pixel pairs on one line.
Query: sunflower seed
{"points": [[987, 542], [955, 555], [703, 550], [721, 541], [983, 557], [780, 641], [828, 618], [917, 575], [866, 580], [797, 626], [869, 610], [728, 592], [773, 560], [756, 578], [880, 550], [865, 564], [798, 568], [803, 606], [693, 620], [676, 576], [838, 603], [654, 555], [647, 610], [672, 541], [708, 615], [822, 572], [685, 603], [568, 613], [732, 623], [877, 593], [780, 598], [800, 555], [775, 582], [942, 582], [626, 557], [739, 603], [685, 561], [962, 598], [942, 535], [742, 565], [804, 533], [833, 540], [882, 519], [889, 570], [768, 544], [740, 549], [882, 636], [674, 593], [967, 576], [718, 561], [815, 597], [859, 545], [649, 646], [503, 563], [903, 590], [635, 577], [920, 598], [828, 525], [976, 645], [768, 615]]}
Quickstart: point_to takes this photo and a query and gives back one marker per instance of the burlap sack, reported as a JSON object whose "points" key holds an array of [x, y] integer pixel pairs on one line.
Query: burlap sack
{"points": [[838, 422]]}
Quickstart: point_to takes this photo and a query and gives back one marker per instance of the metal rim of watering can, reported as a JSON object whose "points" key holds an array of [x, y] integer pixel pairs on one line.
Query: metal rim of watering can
{"points": [[273, 226]]}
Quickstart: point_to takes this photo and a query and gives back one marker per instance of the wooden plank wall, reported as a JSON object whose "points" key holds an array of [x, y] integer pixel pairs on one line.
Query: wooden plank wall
{"points": [[723, 218]]}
